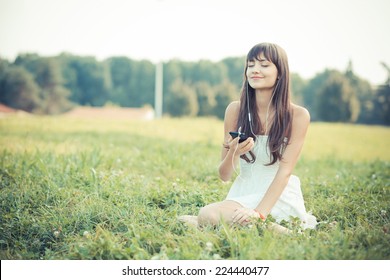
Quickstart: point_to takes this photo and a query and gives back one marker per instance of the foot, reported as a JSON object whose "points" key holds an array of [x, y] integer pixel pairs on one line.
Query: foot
{"points": [[279, 229], [189, 220]]}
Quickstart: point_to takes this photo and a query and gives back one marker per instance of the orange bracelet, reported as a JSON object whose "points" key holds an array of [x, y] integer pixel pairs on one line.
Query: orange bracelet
{"points": [[261, 216]]}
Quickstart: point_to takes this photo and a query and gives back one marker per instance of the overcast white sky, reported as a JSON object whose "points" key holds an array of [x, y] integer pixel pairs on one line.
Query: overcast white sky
{"points": [[315, 34]]}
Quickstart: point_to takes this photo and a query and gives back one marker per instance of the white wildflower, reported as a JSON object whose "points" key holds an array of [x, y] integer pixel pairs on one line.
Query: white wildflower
{"points": [[209, 246], [86, 234]]}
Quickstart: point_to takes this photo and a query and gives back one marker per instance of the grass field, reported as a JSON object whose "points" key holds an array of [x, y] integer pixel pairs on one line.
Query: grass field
{"points": [[104, 189]]}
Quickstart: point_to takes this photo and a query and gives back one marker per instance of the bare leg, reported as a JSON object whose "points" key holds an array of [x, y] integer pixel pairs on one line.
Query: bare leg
{"points": [[214, 213], [189, 220]]}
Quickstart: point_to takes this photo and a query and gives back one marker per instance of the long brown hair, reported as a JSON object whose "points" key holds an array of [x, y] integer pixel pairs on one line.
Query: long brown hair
{"points": [[281, 125]]}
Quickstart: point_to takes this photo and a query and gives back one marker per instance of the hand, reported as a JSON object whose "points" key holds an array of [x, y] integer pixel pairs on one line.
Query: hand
{"points": [[243, 216], [240, 148]]}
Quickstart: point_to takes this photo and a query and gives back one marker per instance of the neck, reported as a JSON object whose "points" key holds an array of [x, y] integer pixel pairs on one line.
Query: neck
{"points": [[263, 99], [264, 108]]}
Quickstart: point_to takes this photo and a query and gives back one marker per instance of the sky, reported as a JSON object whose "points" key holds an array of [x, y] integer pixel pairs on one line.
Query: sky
{"points": [[316, 34]]}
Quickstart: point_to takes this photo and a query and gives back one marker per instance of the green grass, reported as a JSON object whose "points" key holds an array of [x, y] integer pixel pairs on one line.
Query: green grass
{"points": [[105, 189]]}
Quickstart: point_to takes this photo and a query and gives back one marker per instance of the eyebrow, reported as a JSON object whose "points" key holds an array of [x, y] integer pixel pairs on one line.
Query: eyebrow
{"points": [[261, 60]]}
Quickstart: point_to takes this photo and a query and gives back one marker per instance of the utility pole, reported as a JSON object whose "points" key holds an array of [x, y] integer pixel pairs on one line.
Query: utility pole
{"points": [[158, 92]]}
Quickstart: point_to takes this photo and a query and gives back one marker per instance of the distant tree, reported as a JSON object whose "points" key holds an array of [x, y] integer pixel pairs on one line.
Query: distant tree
{"points": [[18, 89], [142, 83], [132, 82], [225, 93], [297, 85], [205, 70], [121, 71], [235, 70], [29, 61], [387, 68], [181, 100], [54, 95], [382, 104], [70, 75], [87, 80], [311, 92], [4, 66], [172, 71], [206, 98], [337, 102], [48, 75], [382, 100], [364, 93]]}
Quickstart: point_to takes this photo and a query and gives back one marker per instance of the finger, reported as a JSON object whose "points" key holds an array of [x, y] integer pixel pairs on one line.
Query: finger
{"points": [[246, 149], [243, 220], [241, 217], [243, 146], [248, 142], [237, 215]]}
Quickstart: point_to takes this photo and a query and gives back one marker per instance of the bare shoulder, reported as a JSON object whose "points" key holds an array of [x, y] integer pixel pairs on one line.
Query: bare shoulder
{"points": [[300, 113], [232, 111], [301, 117], [233, 107], [231, 115]]}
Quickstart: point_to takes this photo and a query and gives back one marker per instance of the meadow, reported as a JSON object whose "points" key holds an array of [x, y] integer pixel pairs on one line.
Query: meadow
{"points": [[112, 189]]}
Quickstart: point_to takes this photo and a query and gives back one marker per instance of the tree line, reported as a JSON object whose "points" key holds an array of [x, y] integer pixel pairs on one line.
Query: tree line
{"points": [[53, 85]]}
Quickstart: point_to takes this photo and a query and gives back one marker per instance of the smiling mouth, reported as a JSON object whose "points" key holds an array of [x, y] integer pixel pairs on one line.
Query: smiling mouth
{"points": [[257, 77]]}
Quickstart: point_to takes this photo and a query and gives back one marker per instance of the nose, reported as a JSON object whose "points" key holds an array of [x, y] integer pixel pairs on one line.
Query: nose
{"points": [[255, 69]]}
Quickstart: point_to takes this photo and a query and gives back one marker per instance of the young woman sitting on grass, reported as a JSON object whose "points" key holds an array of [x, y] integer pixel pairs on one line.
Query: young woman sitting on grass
{"points": [[275, 129]]}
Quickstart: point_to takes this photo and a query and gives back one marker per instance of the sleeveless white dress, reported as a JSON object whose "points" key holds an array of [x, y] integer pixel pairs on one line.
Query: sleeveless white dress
{"points": [[254, 179]]}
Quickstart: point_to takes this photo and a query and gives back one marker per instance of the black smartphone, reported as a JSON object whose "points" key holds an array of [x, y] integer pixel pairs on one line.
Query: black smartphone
{"points": [[235, 134]]}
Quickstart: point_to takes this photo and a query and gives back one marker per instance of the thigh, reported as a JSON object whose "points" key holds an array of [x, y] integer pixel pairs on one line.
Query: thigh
{"points": [[215, 212]]}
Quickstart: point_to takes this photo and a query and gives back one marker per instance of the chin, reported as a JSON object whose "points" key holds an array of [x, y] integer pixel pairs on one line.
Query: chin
{"points": [[264, 88]]}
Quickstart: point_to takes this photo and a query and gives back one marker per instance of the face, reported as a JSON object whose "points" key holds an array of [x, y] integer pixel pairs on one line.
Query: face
{"points": [[261, 73]]}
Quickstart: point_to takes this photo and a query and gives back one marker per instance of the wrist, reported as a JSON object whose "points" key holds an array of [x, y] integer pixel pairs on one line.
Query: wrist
{"points": [[233, 154], [261, 216]]}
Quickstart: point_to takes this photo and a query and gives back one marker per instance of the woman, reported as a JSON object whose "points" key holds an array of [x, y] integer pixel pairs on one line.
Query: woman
{"points": [[276, 129]]}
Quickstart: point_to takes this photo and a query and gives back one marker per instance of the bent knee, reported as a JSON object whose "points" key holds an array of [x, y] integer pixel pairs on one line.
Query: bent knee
{"points": [[209, 215]]}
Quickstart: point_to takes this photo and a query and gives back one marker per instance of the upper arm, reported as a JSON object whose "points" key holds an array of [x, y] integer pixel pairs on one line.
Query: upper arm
{"points": [[231, 118], [300, 124], [230, 122]]}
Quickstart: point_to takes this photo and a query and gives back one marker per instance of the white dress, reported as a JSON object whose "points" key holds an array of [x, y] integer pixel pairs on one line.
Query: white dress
{"points": [[254, 179]]}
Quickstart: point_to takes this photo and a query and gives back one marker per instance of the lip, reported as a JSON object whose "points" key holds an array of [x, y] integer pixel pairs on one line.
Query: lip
{"points": [[257, 77]]}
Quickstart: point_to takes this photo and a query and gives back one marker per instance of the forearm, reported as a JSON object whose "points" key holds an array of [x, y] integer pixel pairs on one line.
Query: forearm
{"points": [[274, 192], [226, 168]]}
